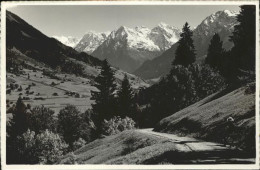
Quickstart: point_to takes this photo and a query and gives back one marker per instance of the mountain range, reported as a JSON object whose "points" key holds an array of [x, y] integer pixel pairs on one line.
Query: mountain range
{"points": [[221, 22], [127, 48], [148, 53]]}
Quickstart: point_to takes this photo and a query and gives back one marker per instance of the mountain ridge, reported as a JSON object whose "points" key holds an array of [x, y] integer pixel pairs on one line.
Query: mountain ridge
{"points": [[221, 22], [127, 48]]}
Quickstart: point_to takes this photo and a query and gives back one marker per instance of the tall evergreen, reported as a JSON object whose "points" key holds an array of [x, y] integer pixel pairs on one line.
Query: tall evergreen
{"points": [[215, 52], [17, 126], [19, 123], [104, 105], [185, 52], [125, 96], [244, 37]]}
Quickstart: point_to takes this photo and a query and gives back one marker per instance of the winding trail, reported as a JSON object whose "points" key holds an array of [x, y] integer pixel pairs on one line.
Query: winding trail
{"points": [[200, 151], [192, 143]]}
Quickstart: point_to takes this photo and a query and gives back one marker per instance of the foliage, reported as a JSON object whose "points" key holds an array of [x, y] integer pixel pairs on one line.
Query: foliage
{"points": [[207, 80], [182, 87], [185, 52], [104, 98], [41, 118], [116, 125], [19, 123], [72, 67], [44, 148], [244, 37], [69, 120], [125, 99], [87, 129], [78, 144], [215, 52]]}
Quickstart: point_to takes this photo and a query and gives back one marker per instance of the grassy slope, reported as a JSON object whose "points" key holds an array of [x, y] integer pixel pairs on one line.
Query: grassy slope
{"points": [[207, 118], [65, 83], [147, 147], [129, 147]]}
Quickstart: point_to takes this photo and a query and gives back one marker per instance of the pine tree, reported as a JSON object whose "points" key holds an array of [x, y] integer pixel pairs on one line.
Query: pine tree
{"points": [[215, 52], [19, 123], [244, 38], [17, 126], [185, 52], [125, 98], [104, 105]]}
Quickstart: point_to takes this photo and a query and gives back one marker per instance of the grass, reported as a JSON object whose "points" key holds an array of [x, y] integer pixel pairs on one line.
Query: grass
{"points": [[207, 119], [128, 147]]}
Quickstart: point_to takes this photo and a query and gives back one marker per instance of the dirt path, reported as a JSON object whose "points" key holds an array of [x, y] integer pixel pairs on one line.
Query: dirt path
{"points": [[192, 143], [201, 152]]}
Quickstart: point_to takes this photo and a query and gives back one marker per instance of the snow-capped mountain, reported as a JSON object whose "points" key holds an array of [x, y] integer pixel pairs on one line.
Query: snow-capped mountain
{"points": [[221, 22], [90, 41], [164, 36], [127, 48], [68, 41]]}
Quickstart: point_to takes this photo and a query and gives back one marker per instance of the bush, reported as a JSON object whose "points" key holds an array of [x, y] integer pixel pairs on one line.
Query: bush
{"points": [[55, 94], [42, 118], [44, 148], [78, 144], [117, 125], [69, 122]]}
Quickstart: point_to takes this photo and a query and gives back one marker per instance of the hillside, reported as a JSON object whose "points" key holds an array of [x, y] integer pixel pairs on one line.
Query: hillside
{"points": [[183, 137], [147, 147], [49, 73], [207, 119], [36, 45]]}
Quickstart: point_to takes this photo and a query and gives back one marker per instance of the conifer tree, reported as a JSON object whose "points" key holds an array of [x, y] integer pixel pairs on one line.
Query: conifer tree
{"points": [[215, 52], [104, 105], [17, 126], [244, 37], [125, 98], [185, 52], [19, 122]]}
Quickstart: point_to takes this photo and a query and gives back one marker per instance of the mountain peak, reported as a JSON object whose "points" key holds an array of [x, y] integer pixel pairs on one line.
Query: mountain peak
{"points": [[163, 24], [122, 28], [67, 40], [225, 16], [90, 41], [230, 13]]}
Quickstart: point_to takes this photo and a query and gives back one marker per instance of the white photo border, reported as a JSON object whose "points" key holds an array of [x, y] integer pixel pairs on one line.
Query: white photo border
{"points": [[5, 5]]}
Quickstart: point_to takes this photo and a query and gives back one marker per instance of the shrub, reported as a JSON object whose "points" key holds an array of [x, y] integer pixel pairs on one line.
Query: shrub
{"points": [[44, 148], [20, 88], [42, 118], [71, 159], [78, 144], [117, 125], [69, 122], [55, 94]]}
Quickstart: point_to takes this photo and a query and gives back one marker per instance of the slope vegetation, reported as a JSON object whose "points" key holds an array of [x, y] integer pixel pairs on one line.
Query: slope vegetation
{"points": [[147, 147], [207, 118]]}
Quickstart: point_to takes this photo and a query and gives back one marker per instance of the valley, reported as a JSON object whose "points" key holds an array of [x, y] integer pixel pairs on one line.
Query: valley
{"points": [[133, 96]]}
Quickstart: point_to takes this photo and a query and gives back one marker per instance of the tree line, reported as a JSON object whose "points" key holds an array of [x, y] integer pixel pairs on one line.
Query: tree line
{"points": [[188, 82]]}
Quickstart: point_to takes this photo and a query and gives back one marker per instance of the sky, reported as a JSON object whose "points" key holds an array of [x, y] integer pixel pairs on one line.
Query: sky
{"points": [[76, 20]]}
